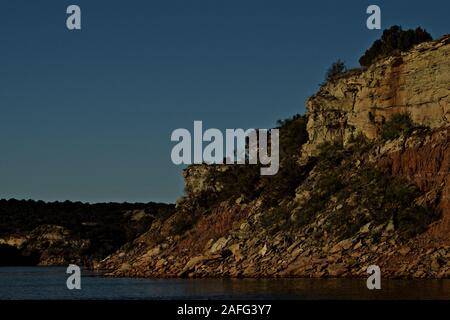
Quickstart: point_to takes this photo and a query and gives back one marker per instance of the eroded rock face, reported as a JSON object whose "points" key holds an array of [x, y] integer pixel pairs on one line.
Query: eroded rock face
{"points": [[349, 228], [417, 82], [231, 241], [425, 161], [200, 179]]}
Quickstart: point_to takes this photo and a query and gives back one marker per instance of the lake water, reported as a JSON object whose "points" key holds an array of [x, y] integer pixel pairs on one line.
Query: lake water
{"points": [[37, 283]]}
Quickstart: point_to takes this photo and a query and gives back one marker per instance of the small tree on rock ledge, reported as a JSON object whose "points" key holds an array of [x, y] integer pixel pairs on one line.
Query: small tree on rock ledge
{"points": [[335, 70]]}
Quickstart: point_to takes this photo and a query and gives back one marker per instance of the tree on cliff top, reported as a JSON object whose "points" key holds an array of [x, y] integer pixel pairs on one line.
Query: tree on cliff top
{"points": [[392, 41], [336, 69]]}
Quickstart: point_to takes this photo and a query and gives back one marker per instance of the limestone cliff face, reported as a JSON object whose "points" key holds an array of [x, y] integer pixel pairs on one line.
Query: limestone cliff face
{"points": [[417, 82]]}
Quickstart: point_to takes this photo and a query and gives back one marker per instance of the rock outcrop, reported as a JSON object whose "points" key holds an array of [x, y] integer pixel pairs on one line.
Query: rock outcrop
{"points": [[48, 245], [363, 203], [424, 161], [416, 82], [343, 237]]}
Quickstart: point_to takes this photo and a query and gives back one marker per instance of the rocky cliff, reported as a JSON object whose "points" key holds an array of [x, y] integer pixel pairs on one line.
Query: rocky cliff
{"points": [[416, 82], [343, 200]]}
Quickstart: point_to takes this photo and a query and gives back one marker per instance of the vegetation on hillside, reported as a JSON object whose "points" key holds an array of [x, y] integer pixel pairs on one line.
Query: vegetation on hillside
{"points": [[107, 225], [399, 124], [350, 197], [246, 182], [331, 178], [393, 41]]}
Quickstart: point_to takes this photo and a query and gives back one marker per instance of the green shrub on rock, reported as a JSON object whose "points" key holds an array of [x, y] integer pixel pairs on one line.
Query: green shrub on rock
{"points": [[394, 40], [399, 124]]}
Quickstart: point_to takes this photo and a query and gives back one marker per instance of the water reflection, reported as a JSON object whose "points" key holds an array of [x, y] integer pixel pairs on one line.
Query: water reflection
{"points": [[50, 283]]}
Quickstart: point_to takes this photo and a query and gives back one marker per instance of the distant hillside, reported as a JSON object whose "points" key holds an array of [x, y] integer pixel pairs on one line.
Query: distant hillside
{"points": [[62, 232]]}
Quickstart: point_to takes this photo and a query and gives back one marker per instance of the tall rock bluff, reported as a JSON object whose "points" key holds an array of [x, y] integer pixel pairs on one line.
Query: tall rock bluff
{"points": [[416, 82], [344, 198]]}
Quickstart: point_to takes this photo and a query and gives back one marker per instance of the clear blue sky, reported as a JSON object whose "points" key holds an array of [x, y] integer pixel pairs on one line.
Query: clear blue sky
{"points": [[88, 115]]}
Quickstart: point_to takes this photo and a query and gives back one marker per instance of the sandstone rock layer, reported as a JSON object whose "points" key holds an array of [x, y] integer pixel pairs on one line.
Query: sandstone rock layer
{"points": [[416, 82]]}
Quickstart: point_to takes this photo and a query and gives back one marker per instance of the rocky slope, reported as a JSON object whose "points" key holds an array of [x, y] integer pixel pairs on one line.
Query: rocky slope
{"points": [[342, 201]]}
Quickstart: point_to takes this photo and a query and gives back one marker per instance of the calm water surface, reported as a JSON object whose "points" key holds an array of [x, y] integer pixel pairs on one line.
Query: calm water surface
{"points": [[38, 283]]}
